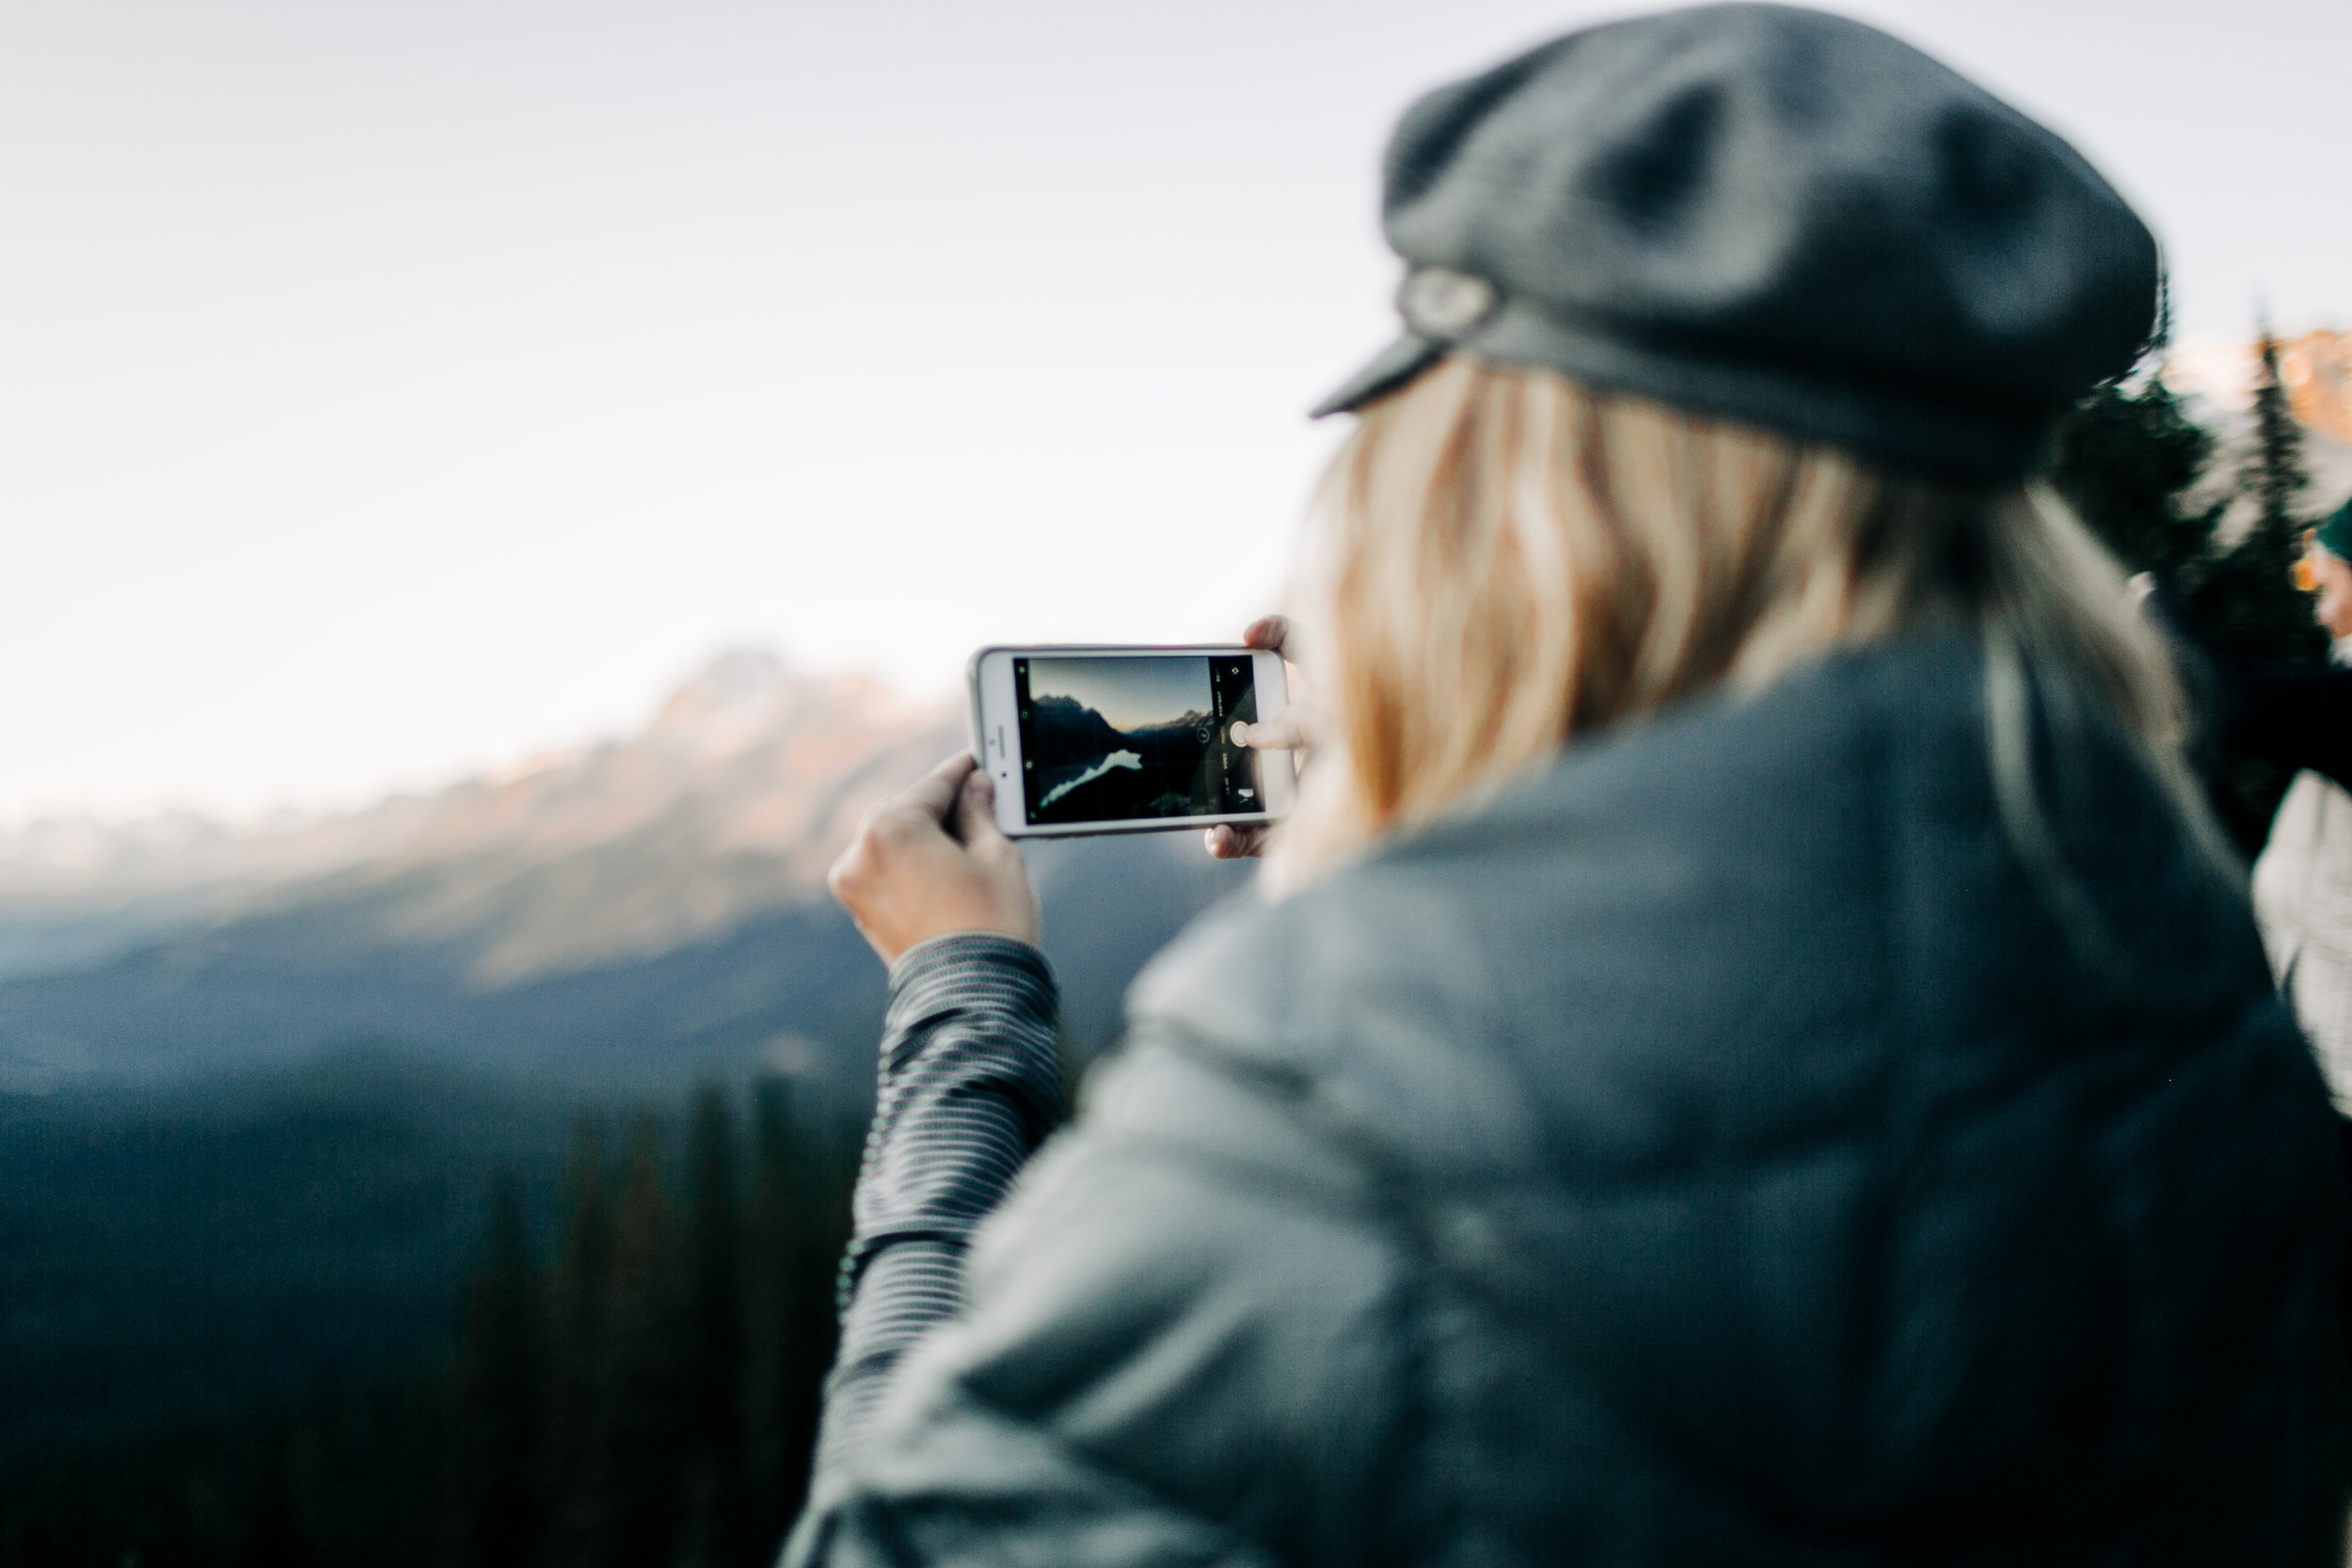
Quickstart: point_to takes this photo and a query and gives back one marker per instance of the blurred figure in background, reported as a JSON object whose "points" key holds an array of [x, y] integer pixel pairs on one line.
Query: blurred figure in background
{"points": [[2303, 879], [1753, 1051]]}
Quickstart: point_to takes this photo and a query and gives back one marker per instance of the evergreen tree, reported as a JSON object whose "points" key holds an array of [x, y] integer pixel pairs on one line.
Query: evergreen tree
{"points": [[649, 1327], [2127, 460], [794, 1232], [770, 1323], [499, 1397], [715, 1524], [2124, 459], [647, 1401], [2247, 606], [2276, 480], [579, 1314], [281, 1535]]}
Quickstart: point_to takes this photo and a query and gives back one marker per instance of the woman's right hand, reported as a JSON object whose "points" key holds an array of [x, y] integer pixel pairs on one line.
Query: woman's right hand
{"points": [[931, 862], [1297, 729]]}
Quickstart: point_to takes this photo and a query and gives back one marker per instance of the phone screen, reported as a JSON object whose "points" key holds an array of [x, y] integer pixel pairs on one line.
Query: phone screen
{"points": [[1132, 736]]}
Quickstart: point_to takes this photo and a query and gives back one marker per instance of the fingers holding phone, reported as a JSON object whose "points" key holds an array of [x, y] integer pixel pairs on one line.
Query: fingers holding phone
{"points": [[1292, 730], [1227, 843], [1296, 730], [1299, 726], [929, 861]]}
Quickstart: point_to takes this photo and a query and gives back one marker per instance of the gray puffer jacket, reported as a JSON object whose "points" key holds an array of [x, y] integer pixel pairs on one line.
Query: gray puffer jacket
{"points": [[1713, 1152]]}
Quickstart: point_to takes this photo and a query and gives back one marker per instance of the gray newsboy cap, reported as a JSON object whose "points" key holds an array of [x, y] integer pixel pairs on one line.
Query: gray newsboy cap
{"points": [[1771, 216]]}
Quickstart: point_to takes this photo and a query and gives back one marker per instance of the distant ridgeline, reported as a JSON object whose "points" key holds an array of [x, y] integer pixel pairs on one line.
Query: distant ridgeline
{"points": [[1092, 770], [256, 1088]]}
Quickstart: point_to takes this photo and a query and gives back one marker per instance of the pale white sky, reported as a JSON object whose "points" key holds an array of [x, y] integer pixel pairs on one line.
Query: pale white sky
{"points": [[393, 387]]}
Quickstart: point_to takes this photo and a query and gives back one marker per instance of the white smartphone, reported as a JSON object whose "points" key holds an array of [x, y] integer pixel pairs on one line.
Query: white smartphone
{"points": [[1127, 741]]}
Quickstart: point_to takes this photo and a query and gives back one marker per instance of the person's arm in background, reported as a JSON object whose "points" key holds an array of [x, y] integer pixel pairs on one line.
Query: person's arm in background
{"points": [[969, 1084]]}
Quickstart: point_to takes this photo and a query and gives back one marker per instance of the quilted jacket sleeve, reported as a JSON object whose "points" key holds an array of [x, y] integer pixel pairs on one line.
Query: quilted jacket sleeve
{"points": [[968, 1087], [1180, 1345]]}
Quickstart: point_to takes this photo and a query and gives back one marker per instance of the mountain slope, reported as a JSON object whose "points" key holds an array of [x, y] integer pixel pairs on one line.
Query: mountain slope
{"points": [[731, 801], [626, 919]]}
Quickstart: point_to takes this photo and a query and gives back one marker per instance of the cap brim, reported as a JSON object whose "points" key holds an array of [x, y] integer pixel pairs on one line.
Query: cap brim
{"points": [[1393, 368]]}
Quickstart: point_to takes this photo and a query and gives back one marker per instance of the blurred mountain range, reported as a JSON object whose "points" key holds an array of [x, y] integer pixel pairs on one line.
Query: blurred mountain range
{"points": [[625, 917]]}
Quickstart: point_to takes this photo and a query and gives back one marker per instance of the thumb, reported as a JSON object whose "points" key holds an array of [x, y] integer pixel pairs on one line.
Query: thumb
{"points": [[1282, 733], [976, 814], [936, 793]]}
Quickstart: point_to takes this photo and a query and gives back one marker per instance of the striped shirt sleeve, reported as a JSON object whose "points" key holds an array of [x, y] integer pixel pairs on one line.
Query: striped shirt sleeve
{"points": [[969, 1086]]}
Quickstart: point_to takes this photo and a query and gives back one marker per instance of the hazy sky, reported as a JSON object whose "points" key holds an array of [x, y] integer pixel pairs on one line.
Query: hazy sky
{"points": [[392, 387]]}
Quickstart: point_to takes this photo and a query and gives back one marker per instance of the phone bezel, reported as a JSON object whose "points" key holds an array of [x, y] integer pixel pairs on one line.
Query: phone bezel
{"points": [[997, 734]]}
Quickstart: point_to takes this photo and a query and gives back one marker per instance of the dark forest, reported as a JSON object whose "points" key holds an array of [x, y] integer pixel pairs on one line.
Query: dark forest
{"points": [[640, 1390]]}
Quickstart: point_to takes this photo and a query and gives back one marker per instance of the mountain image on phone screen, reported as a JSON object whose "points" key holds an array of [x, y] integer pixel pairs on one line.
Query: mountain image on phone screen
{"points": [[1106, 740]]}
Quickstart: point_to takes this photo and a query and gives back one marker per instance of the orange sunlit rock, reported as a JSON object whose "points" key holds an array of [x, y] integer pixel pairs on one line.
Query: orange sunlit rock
{"points": [[2317, 369]]}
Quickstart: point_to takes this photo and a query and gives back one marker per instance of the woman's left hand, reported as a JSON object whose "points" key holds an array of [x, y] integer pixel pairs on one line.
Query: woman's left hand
{"points": [[930, 861]]}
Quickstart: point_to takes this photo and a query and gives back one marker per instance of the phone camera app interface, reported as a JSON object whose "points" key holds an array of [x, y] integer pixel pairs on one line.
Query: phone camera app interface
{"points": [[1135, 737]]}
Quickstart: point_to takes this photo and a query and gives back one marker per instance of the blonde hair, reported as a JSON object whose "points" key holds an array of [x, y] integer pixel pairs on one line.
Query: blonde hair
{"points": [[1501, 561]]}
